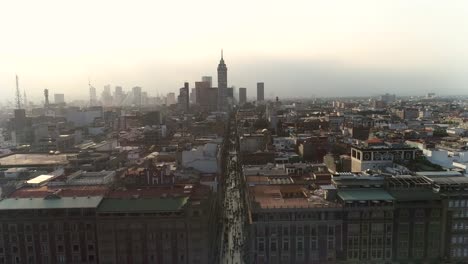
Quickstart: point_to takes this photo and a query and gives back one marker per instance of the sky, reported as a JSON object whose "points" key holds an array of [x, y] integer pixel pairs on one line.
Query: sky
{"points": [[297, 48]]}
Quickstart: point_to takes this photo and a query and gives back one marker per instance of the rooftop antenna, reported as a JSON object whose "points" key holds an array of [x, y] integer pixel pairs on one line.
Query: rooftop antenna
{"points": [[18, 95]]}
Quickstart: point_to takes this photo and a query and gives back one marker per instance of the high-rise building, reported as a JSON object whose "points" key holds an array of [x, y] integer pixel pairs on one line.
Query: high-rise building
{"points": [[201, 93], [59, 98], [170, 99], [222, 84], [92, 96], [118, 95], [260, 92], [230, 92], [136, 95], [106, 96], [193, 98], [183, 99], [208, 79], [242, 96]]}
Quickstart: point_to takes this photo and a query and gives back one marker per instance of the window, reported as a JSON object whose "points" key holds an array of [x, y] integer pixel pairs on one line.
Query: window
{"points": [[419, 213], [300, 230], [45, 248], [285, 244], [299, 244], [27, 227], [61, 259], [261, 244], [90, 247], [76, 248], [60, 248], [273, 245], [91, 257], [12, 228]]}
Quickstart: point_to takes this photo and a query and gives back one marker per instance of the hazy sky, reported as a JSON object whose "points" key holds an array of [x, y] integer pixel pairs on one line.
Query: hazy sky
{"points": [[303, 48]]}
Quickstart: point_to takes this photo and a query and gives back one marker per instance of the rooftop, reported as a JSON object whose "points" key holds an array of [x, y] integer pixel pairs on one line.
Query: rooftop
{"points": [[63, 191], [39, 179], [288, 196], [19, 160], [142, 204], [365, 195], [50, 203]]}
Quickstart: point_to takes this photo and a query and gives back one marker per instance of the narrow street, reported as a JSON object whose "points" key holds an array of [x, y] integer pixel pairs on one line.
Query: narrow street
{"points": [[233, 234]]}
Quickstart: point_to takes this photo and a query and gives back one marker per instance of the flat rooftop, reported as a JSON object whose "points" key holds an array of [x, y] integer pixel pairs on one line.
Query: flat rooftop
{"points": [[42, 160], [365, 195], [287, 196], [39, 179], [113, 205], [63, 191], [52, 203]]}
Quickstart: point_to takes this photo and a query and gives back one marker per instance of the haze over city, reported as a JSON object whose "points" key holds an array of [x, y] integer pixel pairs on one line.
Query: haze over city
{"points": [[315, 48]]}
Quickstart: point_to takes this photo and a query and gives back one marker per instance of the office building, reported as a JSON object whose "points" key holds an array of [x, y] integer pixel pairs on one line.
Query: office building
{"points": [[290, 224], [170, 99], [118, 96], [193, 98], [208, 79], [137, 96], [201, 93], [106, 96], [222, 85], [183, 98], [242, 96], [260, 92], [230, 93], [92, 96]]}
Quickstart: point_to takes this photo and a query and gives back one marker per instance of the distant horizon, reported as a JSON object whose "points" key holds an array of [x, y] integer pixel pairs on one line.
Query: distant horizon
{"points": [[309, 48]]}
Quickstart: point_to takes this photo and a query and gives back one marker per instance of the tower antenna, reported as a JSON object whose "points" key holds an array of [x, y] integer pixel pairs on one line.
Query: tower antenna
{"points": [[18, 95]]}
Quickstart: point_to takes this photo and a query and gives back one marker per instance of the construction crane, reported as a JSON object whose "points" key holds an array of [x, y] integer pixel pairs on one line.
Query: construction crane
{"points": [[18, 95], [25, 99]]}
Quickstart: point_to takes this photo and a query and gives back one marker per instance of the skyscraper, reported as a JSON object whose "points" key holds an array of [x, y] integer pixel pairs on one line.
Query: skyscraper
{"points": [[183, 98], [92, 96], [260, 92], [242, 96], [207, 79], [118, 95], [137, 95], [222, 84], [170, 99], [106, 97]]}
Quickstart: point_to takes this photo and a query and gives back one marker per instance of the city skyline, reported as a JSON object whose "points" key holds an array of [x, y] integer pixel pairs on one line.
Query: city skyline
{"points": [[372, 48]]}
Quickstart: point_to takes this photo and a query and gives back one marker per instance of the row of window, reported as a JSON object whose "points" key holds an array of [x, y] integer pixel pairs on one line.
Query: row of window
{"points": [[297, 216], [46, 259], [458, 203], [299, 230], [59, 227], [459, 239]]}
